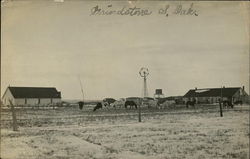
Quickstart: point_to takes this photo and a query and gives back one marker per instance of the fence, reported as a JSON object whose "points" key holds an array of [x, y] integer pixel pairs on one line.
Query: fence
{"points": [[22, 117]]}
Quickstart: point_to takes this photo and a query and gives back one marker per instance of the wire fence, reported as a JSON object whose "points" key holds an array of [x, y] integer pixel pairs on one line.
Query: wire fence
{"points": [[70, 115]]}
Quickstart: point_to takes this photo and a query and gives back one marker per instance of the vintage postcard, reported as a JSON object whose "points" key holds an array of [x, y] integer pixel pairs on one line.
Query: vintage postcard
{"points": [[124, 79]]}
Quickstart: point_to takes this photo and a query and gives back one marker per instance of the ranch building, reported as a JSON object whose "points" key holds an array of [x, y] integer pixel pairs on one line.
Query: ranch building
{"points": [[31, 96], [213, 95]]}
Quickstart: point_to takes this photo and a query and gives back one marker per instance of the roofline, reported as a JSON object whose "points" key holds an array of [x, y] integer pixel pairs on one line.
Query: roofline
{"points": [[5, 92], [245, 92], [215, 88], [29, 87], [242, 90], [199, 96], [60, 97], [209, 88], [39, 98]]}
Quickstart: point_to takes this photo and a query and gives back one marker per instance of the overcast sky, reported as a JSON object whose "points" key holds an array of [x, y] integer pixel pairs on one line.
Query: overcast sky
{"points": [[52, 44]]}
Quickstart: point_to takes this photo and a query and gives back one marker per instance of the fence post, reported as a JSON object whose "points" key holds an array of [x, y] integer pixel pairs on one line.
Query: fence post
{"points": [[221, 103], [139, 111], [139, 118], [14, 124], [221, 113]]}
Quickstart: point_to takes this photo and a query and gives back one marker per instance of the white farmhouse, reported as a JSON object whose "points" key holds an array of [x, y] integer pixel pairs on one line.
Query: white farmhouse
{"points": [[30, 96]]}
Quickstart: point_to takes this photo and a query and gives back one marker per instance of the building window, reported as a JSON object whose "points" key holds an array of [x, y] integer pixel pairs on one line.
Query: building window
{"points": [[25, 101], [39, 101], [51, 100]]}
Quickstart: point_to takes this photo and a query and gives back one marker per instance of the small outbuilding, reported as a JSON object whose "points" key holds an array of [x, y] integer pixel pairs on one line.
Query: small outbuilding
{"points": [[31, 96], [158, 94]]}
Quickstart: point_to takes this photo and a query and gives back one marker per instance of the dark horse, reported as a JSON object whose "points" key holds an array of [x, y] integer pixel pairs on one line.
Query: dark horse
{"points": [[98, 106], [131, 104], [81, 103], [191, 103], [227, 103]]}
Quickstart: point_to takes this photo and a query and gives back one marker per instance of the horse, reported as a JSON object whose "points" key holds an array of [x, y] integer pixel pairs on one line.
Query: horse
{"points": [[109, 100], [119, 103], [227, 103], [106, 104], [98, 106], [191, 103], [166, 104], [81, 103], [131, 104]]}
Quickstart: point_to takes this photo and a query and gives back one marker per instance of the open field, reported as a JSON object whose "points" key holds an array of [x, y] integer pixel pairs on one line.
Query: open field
{"points": [[68, 133]]}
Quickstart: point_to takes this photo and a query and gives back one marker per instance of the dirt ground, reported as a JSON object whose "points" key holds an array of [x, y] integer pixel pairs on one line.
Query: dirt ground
{"points": [[115, 133]]}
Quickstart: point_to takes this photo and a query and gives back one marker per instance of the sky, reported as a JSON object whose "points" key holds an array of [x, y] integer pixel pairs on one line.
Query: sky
{"points": [[49, 44]]}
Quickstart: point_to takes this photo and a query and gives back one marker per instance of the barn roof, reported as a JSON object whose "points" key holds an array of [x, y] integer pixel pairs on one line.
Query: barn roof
{"points": [[34, 92], [212, 92]]}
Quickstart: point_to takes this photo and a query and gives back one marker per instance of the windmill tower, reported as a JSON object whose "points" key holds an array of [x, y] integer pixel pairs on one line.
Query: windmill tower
{"points": [[144, 73]]}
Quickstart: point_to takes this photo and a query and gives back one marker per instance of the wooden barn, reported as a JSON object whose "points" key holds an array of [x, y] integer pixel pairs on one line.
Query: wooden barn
{"points": [[213, 95], [31, 96]]}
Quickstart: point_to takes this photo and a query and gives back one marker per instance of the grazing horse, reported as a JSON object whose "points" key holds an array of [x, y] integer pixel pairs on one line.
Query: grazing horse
{"points": [[98, 106], [131, 104], [191, 103]]}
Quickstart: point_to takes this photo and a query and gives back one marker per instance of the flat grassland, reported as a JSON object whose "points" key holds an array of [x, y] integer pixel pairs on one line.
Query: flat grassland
{"points": [[67, 133]]}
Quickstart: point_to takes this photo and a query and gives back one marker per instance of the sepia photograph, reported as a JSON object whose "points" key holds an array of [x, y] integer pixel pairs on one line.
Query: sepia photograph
{"points": [[121, 79]]}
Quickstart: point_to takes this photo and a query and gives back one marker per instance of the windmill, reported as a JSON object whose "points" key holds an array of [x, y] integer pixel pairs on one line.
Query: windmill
{"points": [[81, 103], [143, 73]]}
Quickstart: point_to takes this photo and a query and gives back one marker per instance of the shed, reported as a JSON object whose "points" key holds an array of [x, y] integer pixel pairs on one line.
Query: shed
{"points": [[30, 96], [212, 95]]}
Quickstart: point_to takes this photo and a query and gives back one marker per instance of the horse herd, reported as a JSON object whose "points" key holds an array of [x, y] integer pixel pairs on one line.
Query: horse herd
{"points": [[131, 103], [127, 104], [134, 103]]}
